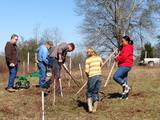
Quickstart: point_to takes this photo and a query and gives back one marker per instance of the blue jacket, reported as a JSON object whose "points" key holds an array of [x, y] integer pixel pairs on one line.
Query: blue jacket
{"points": [[42, 54]]}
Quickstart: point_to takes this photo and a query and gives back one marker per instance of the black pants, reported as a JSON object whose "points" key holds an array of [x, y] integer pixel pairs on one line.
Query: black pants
{"points": [[56, 71]]}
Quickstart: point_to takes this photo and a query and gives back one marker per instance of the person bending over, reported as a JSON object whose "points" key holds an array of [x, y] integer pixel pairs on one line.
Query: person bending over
{"points": [[56, 58]]}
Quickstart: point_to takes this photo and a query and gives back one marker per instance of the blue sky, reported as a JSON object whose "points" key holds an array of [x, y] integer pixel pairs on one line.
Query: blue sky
{"points": [[21, 16]]}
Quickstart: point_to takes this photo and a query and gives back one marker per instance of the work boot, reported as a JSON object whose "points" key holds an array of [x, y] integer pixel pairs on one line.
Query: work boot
{"points": [[95, 106], [90, 107]]}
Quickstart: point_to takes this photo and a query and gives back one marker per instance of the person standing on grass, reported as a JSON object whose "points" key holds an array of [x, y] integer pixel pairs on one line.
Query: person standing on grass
{"points": [[42, 56], [12, 60], [93, 71], [56, 58], [125, 63]]}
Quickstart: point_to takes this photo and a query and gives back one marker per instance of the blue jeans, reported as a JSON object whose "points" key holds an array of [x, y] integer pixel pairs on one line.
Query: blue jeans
{"points": [[12, 76], [121, 75], [93, 87], [42, 74]]}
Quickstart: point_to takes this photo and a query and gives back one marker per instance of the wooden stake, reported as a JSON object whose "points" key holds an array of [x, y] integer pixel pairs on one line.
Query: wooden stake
{"points": [[36, 59], [70, 70], [80, 68], [110, 74], [54, 92], [42, 105], [28, 62], [70, 65], [60, 83], [24, 67]]}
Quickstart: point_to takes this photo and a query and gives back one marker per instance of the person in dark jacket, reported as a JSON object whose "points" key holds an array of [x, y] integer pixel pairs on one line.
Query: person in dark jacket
{"points": [[125, 63], [56, 58], [12, 59]]}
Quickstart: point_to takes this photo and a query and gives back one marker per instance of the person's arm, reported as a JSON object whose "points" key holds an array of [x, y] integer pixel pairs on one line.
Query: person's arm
{"points": [[60, 58], [61, 49], [87, 68], [45, 56], [123, 54], [8, 54]]}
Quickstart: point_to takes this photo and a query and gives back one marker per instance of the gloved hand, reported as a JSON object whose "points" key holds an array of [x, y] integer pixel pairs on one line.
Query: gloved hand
{"points": [[12, 65]]}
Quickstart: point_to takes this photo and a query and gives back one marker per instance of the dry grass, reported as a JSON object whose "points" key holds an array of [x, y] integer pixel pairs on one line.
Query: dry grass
{"points": [[143, 103]]}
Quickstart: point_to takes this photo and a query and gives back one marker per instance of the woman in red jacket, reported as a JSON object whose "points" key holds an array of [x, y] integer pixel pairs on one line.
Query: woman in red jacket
{"points": [[125, 63]]}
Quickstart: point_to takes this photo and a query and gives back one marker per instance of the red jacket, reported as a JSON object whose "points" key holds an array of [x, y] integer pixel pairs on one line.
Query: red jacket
{"points": [[125, 57]]}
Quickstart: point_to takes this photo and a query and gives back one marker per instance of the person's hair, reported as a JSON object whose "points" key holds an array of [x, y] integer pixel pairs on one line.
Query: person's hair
{"points": [[93, 52], [14, 35], [49, 43], [127, 38], [72, 45]]}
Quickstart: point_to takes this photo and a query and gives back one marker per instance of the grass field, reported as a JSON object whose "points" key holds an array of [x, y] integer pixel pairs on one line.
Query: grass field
{"points": [[143, 103]]}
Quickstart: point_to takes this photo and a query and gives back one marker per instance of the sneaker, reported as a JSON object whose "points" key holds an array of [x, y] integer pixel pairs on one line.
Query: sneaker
{"points": [[127, 89], [11, 90], [124, 87], [125, 94]]}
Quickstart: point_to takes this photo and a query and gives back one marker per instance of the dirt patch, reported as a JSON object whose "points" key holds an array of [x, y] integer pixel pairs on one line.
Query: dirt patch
{"points": [[8, 111], [136, 111], [133, 112], [139, 94]]}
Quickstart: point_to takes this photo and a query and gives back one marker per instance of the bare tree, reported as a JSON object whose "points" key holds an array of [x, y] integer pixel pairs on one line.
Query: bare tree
{"points": [[106, 21], [36, 32], [52, 34]]}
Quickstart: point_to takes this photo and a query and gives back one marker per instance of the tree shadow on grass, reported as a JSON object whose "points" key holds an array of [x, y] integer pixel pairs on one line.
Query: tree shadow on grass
{"points": [[114, 95], [83, 105]]}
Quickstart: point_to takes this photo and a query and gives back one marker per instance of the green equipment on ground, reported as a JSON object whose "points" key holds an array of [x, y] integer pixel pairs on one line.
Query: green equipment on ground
{"points": [[22, 80]]}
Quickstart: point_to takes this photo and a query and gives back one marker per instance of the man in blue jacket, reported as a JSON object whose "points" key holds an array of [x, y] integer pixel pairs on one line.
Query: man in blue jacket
{"points": [[42, 56]]}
